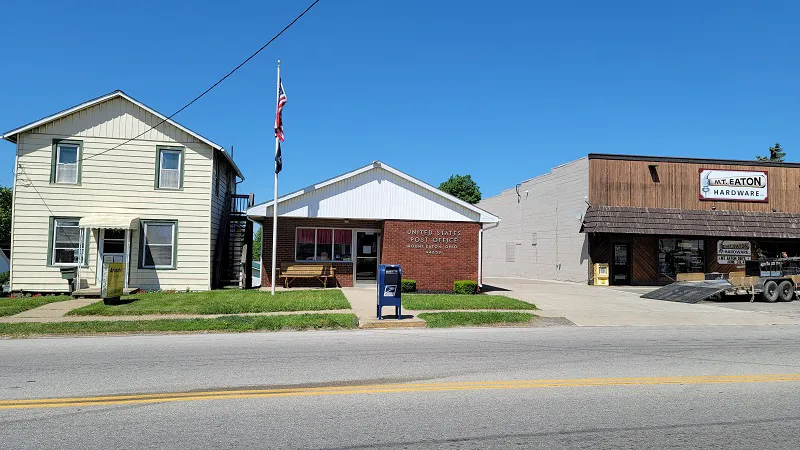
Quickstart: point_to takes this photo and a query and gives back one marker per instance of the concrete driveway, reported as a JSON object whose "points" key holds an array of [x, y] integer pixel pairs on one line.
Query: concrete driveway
{"points": [[606, 306]]}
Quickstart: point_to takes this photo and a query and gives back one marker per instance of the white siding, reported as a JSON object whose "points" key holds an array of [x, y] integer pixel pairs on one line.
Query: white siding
{"points": [[225, 171], [375, 194], [552, 207], [118, 182]]}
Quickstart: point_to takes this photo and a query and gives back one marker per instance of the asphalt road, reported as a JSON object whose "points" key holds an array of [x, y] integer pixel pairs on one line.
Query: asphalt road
{"points": [[685, 387]]}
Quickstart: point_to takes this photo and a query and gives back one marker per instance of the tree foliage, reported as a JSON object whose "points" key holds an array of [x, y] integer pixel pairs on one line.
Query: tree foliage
{"points": [[257, 241], [463, 187], [776, 154], [5, 215]]}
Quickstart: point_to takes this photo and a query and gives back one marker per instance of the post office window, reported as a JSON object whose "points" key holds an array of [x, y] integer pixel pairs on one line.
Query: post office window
{"points": [[323, 244]]}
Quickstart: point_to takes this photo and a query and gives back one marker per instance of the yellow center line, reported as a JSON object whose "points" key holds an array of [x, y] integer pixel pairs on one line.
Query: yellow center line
{"points": [[385, 388]]}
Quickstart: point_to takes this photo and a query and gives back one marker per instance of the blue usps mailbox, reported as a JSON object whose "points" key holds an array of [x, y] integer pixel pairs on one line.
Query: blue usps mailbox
{"points": [[389, 281]]}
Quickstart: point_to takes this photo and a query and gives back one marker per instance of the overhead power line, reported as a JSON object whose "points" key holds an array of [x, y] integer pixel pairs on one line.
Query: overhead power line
{"points": [[212, 86]]}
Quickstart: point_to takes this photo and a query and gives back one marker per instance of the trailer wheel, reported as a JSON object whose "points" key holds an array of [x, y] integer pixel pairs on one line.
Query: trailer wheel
{"points": [[771, 292], [786, 291]]}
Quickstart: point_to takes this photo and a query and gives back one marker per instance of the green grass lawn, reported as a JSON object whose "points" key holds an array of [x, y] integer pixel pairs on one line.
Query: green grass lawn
{"points": [[466, 319], [11, 306], [226, 324], [227, 301], [418, 302]]}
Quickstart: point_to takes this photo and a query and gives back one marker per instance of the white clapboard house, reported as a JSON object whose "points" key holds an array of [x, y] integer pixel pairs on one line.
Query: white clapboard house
{"points": [[112, 180]]}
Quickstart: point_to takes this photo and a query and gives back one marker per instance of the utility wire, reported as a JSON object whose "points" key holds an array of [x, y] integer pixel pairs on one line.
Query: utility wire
{"points": [[32, 184], [212, 86]]}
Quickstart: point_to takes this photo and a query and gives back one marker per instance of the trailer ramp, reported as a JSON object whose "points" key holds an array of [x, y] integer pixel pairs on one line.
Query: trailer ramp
{"points": [[689, 291]]}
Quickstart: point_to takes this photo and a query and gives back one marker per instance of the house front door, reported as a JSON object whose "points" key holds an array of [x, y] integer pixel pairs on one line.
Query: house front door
{"points": [[110, 248]]}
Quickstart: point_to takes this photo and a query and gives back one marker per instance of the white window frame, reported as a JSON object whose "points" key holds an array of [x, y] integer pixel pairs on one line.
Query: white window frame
{"points": [[332, 244], [161, 152], [174, 253], [76, 163], [53, 237]]}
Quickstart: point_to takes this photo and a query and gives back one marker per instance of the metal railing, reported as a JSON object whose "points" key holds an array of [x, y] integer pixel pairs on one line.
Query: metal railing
{"points": [[240, 203]]}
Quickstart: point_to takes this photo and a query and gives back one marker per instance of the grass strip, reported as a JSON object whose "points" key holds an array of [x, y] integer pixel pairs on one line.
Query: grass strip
{"points": [[226, 301], [465, 319], [227, 324], [419, 302], [11, 306]]}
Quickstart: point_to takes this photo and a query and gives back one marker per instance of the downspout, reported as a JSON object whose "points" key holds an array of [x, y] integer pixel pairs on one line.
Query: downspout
{"points": [[480, 257], [13, 205], [480, 253]]}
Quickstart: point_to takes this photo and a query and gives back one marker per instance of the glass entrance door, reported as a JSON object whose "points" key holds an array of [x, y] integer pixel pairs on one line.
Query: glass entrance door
{"points": [[621, 267], [367, 254]]}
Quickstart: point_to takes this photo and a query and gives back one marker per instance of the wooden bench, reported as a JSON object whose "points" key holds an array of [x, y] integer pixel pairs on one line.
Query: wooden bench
{"points": [[320, 271]]}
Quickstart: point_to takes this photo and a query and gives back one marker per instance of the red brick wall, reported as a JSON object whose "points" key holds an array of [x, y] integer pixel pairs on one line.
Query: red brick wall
{"points": [[431, 270], [417, 253], [286, 237]]}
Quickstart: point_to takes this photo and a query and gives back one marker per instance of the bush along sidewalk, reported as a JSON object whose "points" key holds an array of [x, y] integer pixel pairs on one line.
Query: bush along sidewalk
{"points": [[465, 287], [408, 286]]}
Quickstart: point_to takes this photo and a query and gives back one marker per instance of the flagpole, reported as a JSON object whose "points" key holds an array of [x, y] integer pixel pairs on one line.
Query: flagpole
{"points": [[275, 197]]}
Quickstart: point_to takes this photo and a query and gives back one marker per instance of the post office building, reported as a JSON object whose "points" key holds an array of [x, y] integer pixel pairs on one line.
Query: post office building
{"points": [[346, 226]]}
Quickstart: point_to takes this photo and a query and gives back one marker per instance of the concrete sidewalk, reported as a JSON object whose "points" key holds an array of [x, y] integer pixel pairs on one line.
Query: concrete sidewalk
{"points": [[364, 301], [602, 306]]}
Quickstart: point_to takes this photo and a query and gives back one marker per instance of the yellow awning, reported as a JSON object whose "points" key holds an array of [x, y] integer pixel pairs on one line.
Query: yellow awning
{"points": [[112, 222]]}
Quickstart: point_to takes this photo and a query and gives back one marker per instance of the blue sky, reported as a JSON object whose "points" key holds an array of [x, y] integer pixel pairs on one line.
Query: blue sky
{"points": [[501, 90]]}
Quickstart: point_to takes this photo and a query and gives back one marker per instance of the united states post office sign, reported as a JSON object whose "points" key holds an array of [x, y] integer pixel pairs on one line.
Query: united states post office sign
{"points": [[733, 185]]}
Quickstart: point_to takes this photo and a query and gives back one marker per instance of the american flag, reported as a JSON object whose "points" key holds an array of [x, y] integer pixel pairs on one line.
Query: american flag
{"points": [[279, 112]]}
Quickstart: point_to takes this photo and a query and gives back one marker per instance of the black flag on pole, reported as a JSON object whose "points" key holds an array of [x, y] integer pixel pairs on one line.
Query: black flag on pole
{"points": [[278, 160]]}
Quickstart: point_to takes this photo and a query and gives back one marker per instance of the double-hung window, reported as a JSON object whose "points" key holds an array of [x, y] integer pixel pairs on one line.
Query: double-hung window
{"points": [[65, 242], [158, 244], [66, 162], [169, 168]]}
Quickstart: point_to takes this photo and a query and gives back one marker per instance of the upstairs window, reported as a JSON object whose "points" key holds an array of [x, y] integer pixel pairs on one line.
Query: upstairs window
{"points": [[66, 162], [169, 168]]}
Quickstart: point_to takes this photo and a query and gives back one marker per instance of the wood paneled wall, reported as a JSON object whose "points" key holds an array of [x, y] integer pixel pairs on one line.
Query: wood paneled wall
{"points": [[644, 255], [630, 183]]}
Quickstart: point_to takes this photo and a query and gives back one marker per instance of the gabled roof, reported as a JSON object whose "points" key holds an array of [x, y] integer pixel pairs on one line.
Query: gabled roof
{"points": [[316, 192], [11, 136]]}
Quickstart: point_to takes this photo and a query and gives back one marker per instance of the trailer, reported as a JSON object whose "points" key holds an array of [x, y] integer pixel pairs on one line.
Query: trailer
{"points": [[772, 280]]}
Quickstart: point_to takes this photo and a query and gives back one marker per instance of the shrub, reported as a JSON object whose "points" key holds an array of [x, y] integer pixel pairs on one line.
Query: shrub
{"points": [[465, 287], [4, 277], [408, 286]]}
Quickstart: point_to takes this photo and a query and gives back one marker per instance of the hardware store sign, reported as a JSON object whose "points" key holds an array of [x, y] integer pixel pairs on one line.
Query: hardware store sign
{"points": [[733, 252], [733, 185]]}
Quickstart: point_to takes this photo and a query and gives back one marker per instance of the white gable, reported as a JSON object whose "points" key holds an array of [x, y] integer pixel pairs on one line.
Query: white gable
{"points": [[116, 115], [115, 118], [373, 192]]}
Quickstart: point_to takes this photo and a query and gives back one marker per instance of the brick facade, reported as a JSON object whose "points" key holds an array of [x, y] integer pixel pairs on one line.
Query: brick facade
{"points": [[433, 253], [286, 237]]}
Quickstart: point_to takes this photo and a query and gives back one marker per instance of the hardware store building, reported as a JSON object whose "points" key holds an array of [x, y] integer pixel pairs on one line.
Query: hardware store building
{"points": [[649, 218], [374, 215]]}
